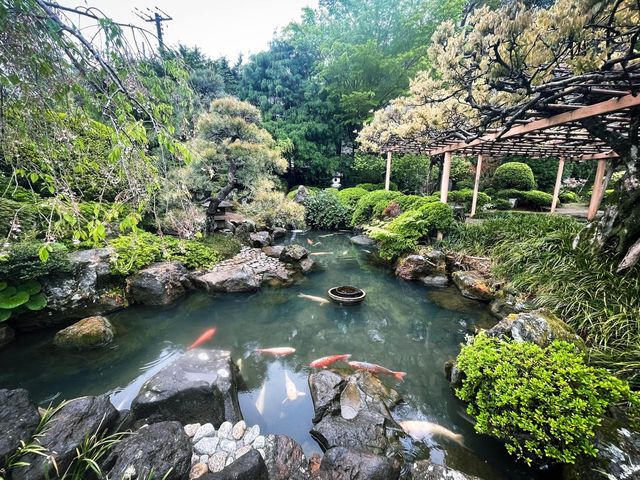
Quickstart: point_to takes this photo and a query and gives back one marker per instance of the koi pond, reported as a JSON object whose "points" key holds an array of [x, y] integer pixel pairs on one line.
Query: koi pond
{"points": [[404, 326]]}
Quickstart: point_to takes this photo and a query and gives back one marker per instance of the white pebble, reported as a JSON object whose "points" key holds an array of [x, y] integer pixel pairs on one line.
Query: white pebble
{"points": [[229, 461], [238, 430], [191, 429], [206, 430], [203, 459], [241, 451], [217, 461], [206, 446], [259, 442], [227, 445], [225, 430], [251, 434]]}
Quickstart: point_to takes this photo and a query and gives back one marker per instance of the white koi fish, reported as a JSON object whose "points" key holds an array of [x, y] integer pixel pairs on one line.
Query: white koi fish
{"points": [[292, 390], [321, 253], [260, 399], [419, 430], [313, 298]]}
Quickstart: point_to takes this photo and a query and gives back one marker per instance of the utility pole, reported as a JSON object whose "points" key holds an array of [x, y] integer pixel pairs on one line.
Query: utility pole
{"points": [[156, 16]]}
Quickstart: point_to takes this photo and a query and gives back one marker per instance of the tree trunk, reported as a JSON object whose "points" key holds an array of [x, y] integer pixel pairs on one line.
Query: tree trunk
{"points": [[219, 198]]}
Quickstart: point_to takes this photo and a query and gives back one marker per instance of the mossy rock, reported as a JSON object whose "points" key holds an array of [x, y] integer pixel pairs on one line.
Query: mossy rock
{"points": [[88, 333]]}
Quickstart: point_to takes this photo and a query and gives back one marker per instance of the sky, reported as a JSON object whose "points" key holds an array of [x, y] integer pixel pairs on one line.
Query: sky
{"points": [[217, 27]]}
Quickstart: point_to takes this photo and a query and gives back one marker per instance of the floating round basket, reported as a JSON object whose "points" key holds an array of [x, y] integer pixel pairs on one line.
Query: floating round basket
{"points": [[347, 295]]}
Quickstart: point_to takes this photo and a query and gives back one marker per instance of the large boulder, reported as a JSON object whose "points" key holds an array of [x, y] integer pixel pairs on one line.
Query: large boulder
{"points": [[618, 455], [159, 284], [293, 253], [425, 470], [418, 266], [341, 463], [260, 239], [197, 387], [249, 466], [506, 304], [274, 251], [65, 432], [473, 285], [353, 411], [241, 279], [285, 459], [161, 450], [88, 333], [90, 288], [540, 327], [18, 421], [7, 334]]}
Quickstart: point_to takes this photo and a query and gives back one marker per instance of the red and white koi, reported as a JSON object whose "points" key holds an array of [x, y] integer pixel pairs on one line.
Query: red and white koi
{"points": [[326, 361]]}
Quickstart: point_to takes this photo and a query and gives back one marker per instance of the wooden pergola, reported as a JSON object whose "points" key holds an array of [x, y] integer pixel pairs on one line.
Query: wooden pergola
{"points": [[545, 133]]}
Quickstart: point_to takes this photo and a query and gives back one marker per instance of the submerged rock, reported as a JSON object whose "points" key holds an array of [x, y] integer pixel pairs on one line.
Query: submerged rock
{"points": [[65, 432], [285, 459], [425, 470], [618, 455], [88, 333], [540, 327], [7, 335], [473, 285], [198, 387], [161, 449], [362, 240], [436, 280], [418, 266], [341, 463], [18, 421], [353, 412], [159, 284], [242, 279]]}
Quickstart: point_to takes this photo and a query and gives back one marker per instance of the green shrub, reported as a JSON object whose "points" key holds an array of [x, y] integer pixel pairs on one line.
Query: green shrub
{"points": [[502, 204], [21, 261], [514, 175], [403, 233], [324, 210], [349, 197], [544, 403], [138, 250], [226, 245], [18, 217], [370, 187], [310, 190], [509, 193], [274, 209], [465, 197], [535, 199], [363, 212], [569, 197], [413, 202], [17, 193]]}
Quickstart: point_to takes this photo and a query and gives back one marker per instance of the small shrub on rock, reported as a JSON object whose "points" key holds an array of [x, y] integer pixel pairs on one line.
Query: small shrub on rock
{"points": [[544, 403], [569, 197], [514, 175], [324, 210]]}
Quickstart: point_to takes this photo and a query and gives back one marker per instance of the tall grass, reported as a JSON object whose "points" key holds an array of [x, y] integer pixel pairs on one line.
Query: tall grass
{"points": [[536, 254]]}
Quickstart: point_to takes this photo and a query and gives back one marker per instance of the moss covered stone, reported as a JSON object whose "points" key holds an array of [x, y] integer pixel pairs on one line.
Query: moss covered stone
{"points": [[90, 332]]}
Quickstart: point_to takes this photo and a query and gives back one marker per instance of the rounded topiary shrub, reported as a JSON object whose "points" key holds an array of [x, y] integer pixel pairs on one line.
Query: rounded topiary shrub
{"points": [[516, 175], [544, 403]]}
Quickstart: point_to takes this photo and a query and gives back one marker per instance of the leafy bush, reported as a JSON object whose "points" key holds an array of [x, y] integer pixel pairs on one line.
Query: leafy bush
{"points": [[17, 218], [274, 209], [413, 202], [403, 233], [363, 212], [294, 190], [136, 251], [514, 175], [324, 210], [544, 403], [226, 245], [509, 193], [17, 193], [408, 171], [370, 187], [502, 204], [465, 197], [569, 197], [21, 261], [349, 197], [535, 199]]}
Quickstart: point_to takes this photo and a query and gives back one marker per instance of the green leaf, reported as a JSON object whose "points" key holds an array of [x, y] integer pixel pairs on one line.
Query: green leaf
{"points": [[3, 285], [5, 314], [37, 302], [43, 253], [31, 287], [13, 300]]}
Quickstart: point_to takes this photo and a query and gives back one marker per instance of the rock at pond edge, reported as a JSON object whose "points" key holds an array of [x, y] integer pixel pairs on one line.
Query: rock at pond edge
{"points": [[88, 333], [161, 283], [18, 420]]}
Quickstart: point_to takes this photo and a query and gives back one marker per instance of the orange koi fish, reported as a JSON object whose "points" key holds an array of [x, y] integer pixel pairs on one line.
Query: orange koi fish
{"points": [[326, 361], [205, 337], [374, 368]]}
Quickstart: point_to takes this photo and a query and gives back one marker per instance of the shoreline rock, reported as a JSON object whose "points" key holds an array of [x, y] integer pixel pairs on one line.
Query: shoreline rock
{"points": [[160, 283], [18, 420], [473, 285]]}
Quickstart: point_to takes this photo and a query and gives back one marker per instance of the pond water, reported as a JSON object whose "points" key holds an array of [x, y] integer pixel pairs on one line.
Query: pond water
{"points": [[401, 325]]}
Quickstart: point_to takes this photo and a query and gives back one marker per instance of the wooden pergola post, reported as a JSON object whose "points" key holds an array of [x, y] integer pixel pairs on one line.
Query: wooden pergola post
{"points": [[387, 178], [598, 190], [476, 186], [556, 189], [444, 184]]}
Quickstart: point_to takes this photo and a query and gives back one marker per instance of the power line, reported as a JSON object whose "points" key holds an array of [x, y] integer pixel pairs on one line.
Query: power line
{"points": [[156, 16]]}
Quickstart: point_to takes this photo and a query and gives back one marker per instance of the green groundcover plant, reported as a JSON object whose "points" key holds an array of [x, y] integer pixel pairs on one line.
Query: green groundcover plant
{"points": [[544, 403]]}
